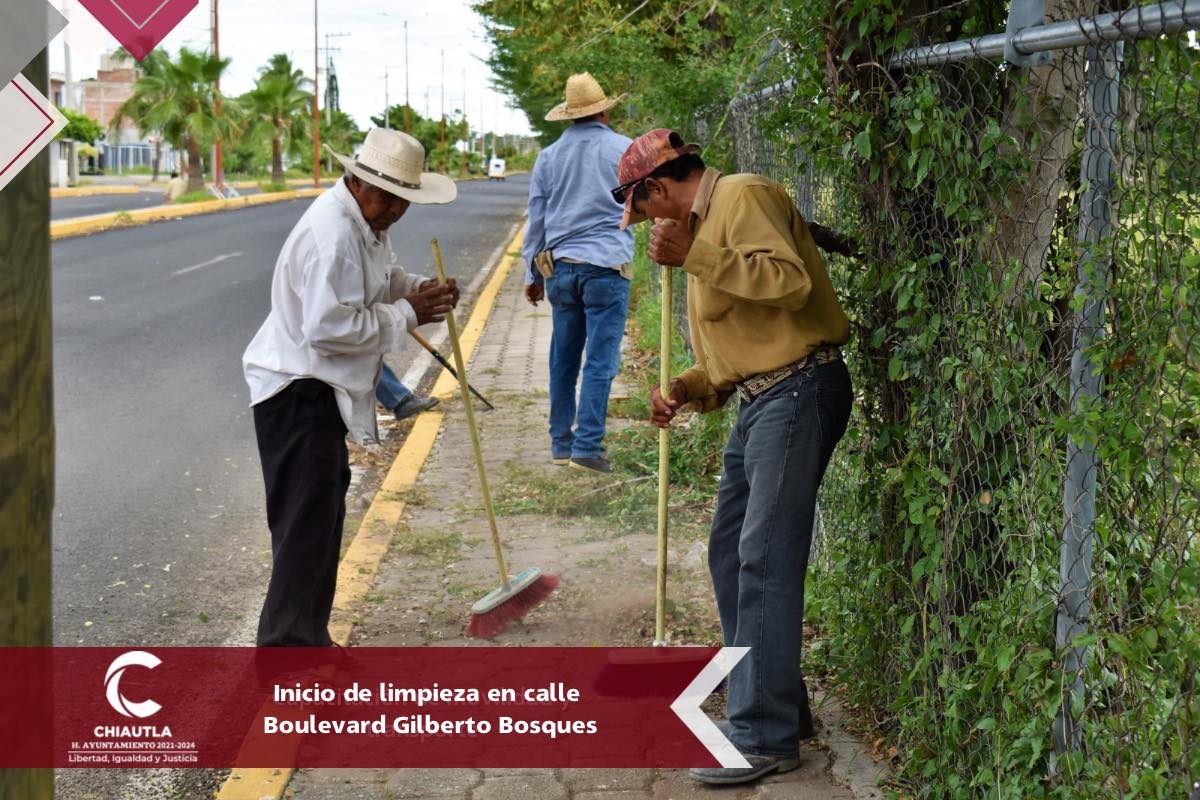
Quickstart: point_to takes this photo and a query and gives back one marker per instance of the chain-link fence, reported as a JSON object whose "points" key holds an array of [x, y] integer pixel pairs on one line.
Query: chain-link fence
{"points": [[1010, 565]]}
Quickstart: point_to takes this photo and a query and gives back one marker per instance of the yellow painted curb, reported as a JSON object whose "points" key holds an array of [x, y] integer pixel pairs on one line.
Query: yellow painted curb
{"points": [[447, 384], [89, 191], [360, 564], [81, 226]]}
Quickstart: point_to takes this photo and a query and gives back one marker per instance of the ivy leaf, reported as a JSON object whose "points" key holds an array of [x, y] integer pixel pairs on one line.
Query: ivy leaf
{"points": [[923, 164], [862, 143]]}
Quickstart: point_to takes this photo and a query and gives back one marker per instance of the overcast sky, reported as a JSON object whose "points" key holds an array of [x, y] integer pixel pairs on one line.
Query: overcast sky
{"points": [[253, 31]]}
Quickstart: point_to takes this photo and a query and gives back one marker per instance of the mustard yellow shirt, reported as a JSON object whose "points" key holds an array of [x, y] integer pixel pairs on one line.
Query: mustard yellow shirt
{"points": [[759, 294]]}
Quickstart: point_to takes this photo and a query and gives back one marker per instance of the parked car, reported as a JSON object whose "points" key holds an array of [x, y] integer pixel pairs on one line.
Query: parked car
{"points": [[496, 169]]}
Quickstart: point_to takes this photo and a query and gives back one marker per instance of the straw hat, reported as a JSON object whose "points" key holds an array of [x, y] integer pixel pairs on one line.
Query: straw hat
{"points": [[584, 98], [392, 161]]}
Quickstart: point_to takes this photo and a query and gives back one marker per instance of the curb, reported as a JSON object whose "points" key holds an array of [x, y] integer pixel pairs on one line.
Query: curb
{"points": [[89, 191], [358, 567], [82, 226]]}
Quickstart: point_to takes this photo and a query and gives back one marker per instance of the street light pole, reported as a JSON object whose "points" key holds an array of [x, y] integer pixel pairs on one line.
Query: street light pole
{"points": [[316, 118]]}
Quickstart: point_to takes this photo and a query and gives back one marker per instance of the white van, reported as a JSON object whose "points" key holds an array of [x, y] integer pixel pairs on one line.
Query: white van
{"points": [[496, 169]]}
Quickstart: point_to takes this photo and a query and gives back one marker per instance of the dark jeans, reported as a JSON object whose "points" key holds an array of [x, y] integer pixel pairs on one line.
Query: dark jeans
{"points": [[759, 544], [589, 305], [390, 392], [306, 471]]}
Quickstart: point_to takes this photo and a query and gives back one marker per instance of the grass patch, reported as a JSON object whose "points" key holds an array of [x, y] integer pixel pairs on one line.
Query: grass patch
{"points": [[194, 197], [267, 187], [411, 495], [440, 546]]}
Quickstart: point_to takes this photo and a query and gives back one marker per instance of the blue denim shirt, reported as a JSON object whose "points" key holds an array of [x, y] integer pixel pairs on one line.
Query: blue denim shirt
{"points": [[571, 210]]}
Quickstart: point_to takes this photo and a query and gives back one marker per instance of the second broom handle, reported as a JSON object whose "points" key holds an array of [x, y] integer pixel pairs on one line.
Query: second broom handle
{"points": [[466, 396], [664, 459]]}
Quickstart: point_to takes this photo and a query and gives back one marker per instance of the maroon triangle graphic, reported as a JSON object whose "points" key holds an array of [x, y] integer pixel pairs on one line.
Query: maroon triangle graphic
{"points": [[139, 25]]}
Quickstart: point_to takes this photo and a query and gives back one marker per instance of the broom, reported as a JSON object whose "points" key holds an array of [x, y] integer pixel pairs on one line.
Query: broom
{"points": [[516, 595]]}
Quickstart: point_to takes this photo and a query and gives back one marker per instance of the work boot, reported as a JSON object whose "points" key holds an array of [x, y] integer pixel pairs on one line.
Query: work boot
{"points": [[592, 464], [413, 405], [760, 766]]}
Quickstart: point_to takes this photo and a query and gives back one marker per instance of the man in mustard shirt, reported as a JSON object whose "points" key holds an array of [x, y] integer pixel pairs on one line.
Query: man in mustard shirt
{"points": [[766, 326]]}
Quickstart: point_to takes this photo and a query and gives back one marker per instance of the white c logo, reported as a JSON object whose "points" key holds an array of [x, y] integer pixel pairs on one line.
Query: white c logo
{"points": [[112, 678]]}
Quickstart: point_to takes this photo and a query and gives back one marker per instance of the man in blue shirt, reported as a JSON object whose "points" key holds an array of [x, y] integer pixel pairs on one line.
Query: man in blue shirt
{"points": [[573, 216]]}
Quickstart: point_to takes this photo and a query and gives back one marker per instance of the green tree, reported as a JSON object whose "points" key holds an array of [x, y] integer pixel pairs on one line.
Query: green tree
{"points": [[428, 132], [673, 62], [80, 127], [340, 131], [282, 102], [178, 99]]}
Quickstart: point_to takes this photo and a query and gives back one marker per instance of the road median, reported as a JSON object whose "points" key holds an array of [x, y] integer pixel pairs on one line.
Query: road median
{"points": [[91, 191], [82, 226]]}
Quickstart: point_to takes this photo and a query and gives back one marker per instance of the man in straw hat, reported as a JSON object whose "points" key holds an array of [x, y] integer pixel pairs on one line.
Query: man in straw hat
{"points": [[582, 267], [766, 326], [338, 303]]}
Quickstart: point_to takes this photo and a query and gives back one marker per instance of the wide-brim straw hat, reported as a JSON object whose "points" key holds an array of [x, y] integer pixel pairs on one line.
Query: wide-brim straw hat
{"points": [[392, 161], [584, 98]]}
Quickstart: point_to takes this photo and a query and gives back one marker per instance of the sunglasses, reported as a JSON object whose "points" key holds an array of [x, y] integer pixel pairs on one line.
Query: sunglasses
{"points": [[619, 193]]}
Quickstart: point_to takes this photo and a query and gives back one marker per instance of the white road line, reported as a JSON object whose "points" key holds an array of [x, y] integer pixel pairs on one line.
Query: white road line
{"points": [[209, 263]]}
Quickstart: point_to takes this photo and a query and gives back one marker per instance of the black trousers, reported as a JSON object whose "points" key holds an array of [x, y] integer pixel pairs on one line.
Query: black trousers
{"points": [[306, 470]]}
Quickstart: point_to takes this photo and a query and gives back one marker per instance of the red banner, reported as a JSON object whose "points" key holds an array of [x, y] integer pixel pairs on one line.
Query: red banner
{"points": [[363, 707]]}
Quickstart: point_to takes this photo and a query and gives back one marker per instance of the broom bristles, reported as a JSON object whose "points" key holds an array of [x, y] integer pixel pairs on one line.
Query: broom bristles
{"points": [[491, 624]]}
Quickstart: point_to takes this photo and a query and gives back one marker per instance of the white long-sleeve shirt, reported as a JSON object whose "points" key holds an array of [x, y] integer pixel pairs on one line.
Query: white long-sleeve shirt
{"points": [[336, 307]]}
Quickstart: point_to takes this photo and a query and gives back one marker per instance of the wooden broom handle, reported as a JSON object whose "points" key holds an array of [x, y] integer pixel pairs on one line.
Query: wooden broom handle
{"points": [[466, 396], [664, 459]]}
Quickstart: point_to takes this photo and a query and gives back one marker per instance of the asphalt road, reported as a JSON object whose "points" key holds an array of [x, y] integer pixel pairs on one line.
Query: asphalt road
{"points": [[67, 207], [160, 535]]}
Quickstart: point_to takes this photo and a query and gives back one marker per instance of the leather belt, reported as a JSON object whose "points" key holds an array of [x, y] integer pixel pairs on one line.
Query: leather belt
{"points": [[755, 385]]}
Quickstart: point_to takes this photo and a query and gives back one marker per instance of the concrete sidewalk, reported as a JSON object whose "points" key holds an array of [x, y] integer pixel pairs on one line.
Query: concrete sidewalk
{"points": [[440, 560]]}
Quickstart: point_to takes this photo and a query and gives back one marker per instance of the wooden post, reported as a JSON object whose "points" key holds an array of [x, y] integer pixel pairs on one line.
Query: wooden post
{"points": [[27, 421]]}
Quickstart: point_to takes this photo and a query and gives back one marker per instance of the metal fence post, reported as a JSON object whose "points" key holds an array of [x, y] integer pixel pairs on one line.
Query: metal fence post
{"points": [[1079, 486]]}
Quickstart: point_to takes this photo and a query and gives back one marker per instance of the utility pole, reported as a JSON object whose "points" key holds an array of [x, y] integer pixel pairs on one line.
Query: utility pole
{"points": [[387, 108], [330, 86], [316, 117], [27, 435], [218, 153], [407, 105], [68, 89]]}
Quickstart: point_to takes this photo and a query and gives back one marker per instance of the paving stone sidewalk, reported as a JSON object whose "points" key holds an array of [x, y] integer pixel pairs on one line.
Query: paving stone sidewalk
{"points": [[441, 560]]}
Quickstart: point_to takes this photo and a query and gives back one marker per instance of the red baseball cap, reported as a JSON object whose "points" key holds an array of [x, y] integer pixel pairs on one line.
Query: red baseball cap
{"points": [[645, 154]]}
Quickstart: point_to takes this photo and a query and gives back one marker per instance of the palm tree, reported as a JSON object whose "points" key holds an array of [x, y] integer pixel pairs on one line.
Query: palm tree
{"points": [[178, 99], [279, 100]]}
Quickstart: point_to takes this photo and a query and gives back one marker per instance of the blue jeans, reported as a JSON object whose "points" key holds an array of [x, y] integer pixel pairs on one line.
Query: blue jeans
{"points": [[589, 305], [759, 544], [390, 392]]}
